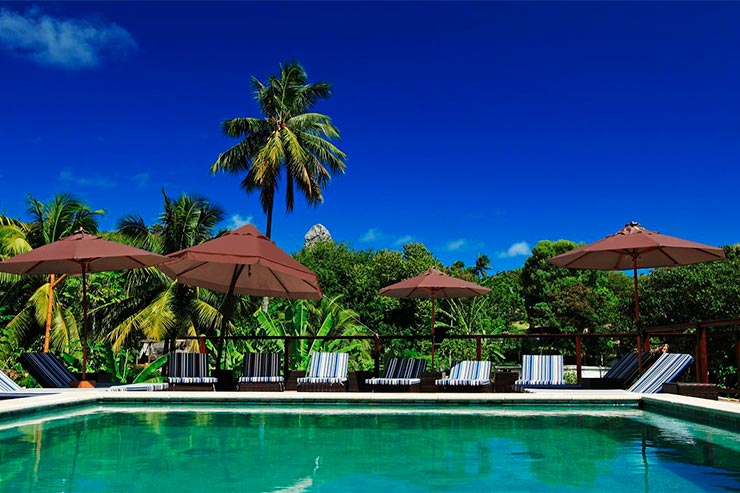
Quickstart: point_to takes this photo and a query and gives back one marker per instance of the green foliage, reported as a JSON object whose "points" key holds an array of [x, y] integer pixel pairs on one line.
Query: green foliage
{"points": [[692, 293], [566, 299], [322, 318], [152, 374]]}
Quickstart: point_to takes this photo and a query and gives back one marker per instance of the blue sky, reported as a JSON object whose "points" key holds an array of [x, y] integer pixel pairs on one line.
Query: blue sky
{"points": [[470, 127]]}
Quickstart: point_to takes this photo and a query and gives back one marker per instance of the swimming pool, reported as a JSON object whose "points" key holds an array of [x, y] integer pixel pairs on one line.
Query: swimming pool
{"points": [[259, 449]]}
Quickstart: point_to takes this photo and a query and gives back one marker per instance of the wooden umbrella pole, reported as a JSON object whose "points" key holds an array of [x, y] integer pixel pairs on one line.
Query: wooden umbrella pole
{"points": [[84, 321], [53, 282], [636, 295], [227, 311], [47, 332], [432, 330]]}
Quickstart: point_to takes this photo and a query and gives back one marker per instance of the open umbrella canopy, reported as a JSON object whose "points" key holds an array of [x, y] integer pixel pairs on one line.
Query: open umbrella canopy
{"points": [[80, 253], [243, 262], [433, 284], [634, 247]]}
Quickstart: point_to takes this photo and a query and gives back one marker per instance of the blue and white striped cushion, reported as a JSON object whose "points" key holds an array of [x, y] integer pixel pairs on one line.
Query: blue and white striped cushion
{"points": [[401, 371], [667, 369], [468, 373], [262, 365], [326, 368], [47, 370], [393, 381], [260, 379], [322, 380], [542, 370], [189, 368], [193, 380], [7, 384], [139, 387]]}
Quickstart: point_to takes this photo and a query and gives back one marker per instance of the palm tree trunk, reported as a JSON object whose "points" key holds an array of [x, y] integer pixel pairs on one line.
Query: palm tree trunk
{"points": [[268, 232]]}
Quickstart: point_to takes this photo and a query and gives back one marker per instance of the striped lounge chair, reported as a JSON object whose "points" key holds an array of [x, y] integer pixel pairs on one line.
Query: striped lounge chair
{"points": [[401, 375], [467, 376], [189, 371], [48, 370], [666, 369], [539, 371], [622, 373], [327, 372], [139, 387], [7, 384], [261, 373]]}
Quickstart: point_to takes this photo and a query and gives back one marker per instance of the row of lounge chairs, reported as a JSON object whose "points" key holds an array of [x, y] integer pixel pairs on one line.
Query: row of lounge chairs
{"points": [[546, 372], [328, 372]]}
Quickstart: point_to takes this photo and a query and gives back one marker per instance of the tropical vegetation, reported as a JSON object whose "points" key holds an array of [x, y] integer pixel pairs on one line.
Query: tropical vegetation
{"points": [[292, 146]]}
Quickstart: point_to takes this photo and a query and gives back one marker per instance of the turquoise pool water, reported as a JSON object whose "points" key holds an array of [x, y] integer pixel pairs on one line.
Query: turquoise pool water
{"points": [[111, 449]]}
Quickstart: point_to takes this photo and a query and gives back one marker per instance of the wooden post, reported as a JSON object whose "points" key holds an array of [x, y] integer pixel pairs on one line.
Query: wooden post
{"points": [[376, 356], [286, 360], [579, 370], [702, 373], [737, 356], [478, 348]]}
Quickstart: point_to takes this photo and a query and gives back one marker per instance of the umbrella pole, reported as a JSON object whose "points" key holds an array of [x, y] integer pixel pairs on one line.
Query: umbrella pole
{"points": [[84, 321], [227, 312], [47, 332], [636, 295], [432, 331]]}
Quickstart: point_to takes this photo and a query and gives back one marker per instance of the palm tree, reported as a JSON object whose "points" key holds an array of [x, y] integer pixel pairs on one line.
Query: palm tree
{"points": [[482, 264], [287, 139], [59, 217], [157, 307]]}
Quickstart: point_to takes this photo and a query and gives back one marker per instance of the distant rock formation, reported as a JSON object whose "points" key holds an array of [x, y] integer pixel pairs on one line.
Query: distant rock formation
{"points": [[316, 234]]}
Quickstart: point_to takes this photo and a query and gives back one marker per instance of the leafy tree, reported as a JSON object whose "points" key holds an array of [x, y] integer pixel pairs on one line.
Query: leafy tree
{"points": [[155, 306], [288, 138], [49, 221]]}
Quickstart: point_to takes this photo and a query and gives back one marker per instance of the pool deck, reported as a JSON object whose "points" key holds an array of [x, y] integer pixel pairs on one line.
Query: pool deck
{"points": [[722, 413]]}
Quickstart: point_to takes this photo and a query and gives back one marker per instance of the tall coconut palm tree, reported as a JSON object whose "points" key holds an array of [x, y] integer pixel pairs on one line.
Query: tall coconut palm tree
{"points": [[287, 139], [49, 221], [155, 306]]}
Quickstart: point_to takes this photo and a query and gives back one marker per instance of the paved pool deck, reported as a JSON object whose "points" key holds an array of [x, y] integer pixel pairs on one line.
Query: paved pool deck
{"points": [[723, 413]]}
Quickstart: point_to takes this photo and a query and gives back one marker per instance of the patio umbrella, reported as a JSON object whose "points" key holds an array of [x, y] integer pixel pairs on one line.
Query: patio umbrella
{"points": [[433, 284], [242, 262], [80, 253], [634, 247]]}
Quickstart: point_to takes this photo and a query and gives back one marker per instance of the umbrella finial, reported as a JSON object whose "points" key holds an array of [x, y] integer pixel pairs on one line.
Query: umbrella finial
{"points": [[631, 228]]}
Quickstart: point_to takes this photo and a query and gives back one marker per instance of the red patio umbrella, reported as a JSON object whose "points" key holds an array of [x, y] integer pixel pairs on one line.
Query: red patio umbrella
{"points": [[634, 247], [242, 262], [80, 253], [433, 284]]}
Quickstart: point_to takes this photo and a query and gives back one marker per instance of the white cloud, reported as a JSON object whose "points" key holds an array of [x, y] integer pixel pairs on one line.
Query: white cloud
{"points": [[86, 181], [141, 179], [516, 250], [236, 221], [403, 240], [370, 235], [67, 43], [455, 245]]}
